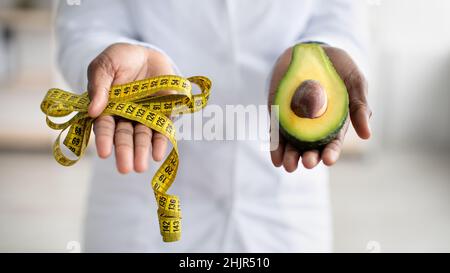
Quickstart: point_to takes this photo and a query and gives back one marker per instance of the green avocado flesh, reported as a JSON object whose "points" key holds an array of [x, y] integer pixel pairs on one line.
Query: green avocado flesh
{"points": [[310, 62]]}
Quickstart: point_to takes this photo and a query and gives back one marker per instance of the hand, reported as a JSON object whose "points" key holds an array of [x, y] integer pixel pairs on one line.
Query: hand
{"points": [[286, 154], [118, 64]]}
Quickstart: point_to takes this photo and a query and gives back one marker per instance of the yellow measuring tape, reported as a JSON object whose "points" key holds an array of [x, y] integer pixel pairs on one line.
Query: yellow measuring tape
{"points": [[134, 101]]}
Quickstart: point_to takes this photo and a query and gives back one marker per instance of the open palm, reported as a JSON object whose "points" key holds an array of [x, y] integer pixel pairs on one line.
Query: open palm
{"points": [[119, 64]]}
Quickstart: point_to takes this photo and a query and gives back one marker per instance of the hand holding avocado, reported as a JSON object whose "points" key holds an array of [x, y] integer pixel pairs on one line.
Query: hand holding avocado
{"points": [[316, 87]]}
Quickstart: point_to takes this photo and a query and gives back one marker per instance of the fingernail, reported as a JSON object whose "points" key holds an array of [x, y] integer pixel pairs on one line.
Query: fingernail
{"points": [[90, 109], [368, 127], [334, 156], [312, 161]]}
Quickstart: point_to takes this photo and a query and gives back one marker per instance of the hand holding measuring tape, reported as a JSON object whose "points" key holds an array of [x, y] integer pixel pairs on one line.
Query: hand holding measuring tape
{"points": [[135, 101]]}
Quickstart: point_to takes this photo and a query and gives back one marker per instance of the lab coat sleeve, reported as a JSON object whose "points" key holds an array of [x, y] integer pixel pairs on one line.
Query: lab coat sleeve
{"points": [[342, 24], [83, 31]]}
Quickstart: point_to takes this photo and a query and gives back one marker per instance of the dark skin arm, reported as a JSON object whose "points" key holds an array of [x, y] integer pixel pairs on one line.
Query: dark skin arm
{"points": [[286, 154]]}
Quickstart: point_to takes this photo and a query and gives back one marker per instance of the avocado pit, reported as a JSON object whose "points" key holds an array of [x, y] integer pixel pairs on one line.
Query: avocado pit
{"points": [[309, 100]]}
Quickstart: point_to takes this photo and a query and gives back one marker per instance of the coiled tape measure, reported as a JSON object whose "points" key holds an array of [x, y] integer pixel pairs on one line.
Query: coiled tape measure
{"points": [[134, 101]]}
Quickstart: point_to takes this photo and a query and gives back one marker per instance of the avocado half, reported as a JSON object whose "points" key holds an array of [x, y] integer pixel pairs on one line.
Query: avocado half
{"points": [[310, 62]]}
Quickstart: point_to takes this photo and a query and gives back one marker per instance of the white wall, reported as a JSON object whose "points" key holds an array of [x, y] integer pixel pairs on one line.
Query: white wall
{"points": [[410, 83]]}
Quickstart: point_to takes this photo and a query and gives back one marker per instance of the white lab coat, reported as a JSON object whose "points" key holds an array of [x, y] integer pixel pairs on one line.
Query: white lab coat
{"points": [[240, 202]]}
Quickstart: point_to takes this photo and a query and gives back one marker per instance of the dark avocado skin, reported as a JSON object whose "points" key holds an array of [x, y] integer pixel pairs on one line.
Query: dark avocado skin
{"points": [[316, 145]]}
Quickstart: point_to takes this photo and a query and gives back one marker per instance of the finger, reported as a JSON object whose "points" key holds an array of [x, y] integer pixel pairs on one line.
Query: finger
{"points": [[100, 78], [142, 145], [290, 158], [360, 116], [278, 153], [123, 142], [332, 150], [360, 112], [310, 159], [104, 134], [159, 145]]}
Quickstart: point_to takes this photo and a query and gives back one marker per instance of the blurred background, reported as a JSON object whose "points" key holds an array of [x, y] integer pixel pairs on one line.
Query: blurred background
{"points": [[390, 194]]}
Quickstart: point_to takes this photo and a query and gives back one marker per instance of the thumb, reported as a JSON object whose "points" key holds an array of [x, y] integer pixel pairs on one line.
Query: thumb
{"points": [[357, 88], [100, 78], [360, 115], [360, 112]]}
